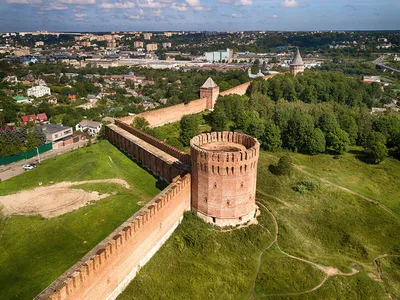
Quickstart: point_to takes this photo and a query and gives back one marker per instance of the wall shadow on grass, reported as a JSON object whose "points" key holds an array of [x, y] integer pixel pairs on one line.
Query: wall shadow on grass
{"points": [[273, 169], [362, 156]]}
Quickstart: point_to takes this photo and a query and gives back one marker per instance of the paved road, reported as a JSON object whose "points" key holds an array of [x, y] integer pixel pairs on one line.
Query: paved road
{"points": [[15, 169], [380, 62]]}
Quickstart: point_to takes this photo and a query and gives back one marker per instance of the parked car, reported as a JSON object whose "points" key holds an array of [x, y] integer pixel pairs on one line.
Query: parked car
{"points": [[29, 166]]}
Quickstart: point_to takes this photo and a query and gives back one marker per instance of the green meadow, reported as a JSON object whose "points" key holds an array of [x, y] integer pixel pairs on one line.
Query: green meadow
{"points": [[35, 251]]}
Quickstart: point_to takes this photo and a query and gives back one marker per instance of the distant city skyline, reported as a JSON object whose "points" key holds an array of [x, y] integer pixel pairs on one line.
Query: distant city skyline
{"points": [[210, 15]]}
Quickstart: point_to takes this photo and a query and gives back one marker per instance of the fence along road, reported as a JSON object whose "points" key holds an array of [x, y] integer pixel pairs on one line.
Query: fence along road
{"points": [[15, 169]]}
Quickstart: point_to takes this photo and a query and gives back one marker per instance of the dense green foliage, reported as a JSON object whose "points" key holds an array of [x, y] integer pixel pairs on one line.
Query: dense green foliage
{"points": [[36, 251], [285, 166], [140, 123], [310, 113], [189, 127], [313, 87], [20, 140]]}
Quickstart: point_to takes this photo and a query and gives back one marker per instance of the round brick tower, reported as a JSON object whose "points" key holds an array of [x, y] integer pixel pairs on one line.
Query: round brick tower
{"points": [[224, 175]]}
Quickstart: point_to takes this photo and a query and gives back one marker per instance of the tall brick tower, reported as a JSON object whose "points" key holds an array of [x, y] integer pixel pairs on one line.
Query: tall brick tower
{"points": [[224, 175], [297, 64], [209, 90]]}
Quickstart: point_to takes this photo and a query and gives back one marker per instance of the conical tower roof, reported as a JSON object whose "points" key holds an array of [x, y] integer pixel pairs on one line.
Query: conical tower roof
{"points": [[297, 61], [209, 84]]}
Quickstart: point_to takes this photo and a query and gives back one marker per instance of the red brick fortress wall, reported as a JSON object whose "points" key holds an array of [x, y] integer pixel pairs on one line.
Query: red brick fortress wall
{"points": [[157, 161], [237, 90], [182, 156], [108, 268], [223, 179], [162, 116]]}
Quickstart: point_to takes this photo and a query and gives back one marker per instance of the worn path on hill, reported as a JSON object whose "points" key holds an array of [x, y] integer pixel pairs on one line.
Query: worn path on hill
{"points": [[383, 206], [329, 271], [301, 169]]}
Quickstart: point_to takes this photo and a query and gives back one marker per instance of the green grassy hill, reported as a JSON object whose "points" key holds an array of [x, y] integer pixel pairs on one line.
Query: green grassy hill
{"points": [[35, 251], [346, 223]]}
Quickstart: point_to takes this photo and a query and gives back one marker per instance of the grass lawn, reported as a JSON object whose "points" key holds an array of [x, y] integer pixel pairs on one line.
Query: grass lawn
{"points": [[285, 275], [379, 182], [328, 226], [35, 251], [198, 262]]}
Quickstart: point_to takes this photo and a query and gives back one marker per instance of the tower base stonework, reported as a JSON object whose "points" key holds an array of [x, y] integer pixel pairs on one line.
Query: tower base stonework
{"points": [[226, 222], [224, 175]]}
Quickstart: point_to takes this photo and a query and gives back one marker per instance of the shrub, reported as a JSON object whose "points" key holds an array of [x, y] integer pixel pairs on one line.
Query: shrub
{"points": [[140, 123], [338, 141], [285, 166], [377, 152], [306, 186]]}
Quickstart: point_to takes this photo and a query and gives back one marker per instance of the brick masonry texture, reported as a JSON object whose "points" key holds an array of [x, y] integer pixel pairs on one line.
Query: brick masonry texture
{"points": [[182, 156], [224, 182], [155, 160], [170, 114]]}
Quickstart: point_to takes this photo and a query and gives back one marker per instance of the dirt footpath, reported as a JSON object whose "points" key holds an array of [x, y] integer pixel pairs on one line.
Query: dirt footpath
{"points": [[54, 200]]}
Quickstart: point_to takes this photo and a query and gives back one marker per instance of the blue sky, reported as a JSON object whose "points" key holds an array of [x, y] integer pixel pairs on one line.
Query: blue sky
{"points": [[142, 15]]}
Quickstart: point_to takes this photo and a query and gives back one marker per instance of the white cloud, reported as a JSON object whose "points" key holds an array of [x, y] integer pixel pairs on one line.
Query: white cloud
{"points": [[290, 4], [275, 16], [179, 6], [151, 4], [193, 2], [234, 15], [80, 17], [200, 8], [127, 4], [24, 1], [237, 3], [133, 17], [244, 2], [81, 2], [156, 12], [196, 5], [106, 5], [54, 6]]}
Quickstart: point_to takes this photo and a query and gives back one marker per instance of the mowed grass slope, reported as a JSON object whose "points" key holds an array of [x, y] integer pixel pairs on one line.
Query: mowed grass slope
{"points": [[35, 251], [379, 182], [198, 262], [100, 161], [328, 226]]}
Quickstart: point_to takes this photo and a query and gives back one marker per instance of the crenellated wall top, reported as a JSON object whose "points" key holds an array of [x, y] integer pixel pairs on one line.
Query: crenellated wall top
{"points": [[251, 144]]}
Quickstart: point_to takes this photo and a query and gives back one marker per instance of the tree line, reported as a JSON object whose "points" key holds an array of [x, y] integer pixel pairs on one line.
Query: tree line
{"points": [[20, 140], [311, 114]]}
